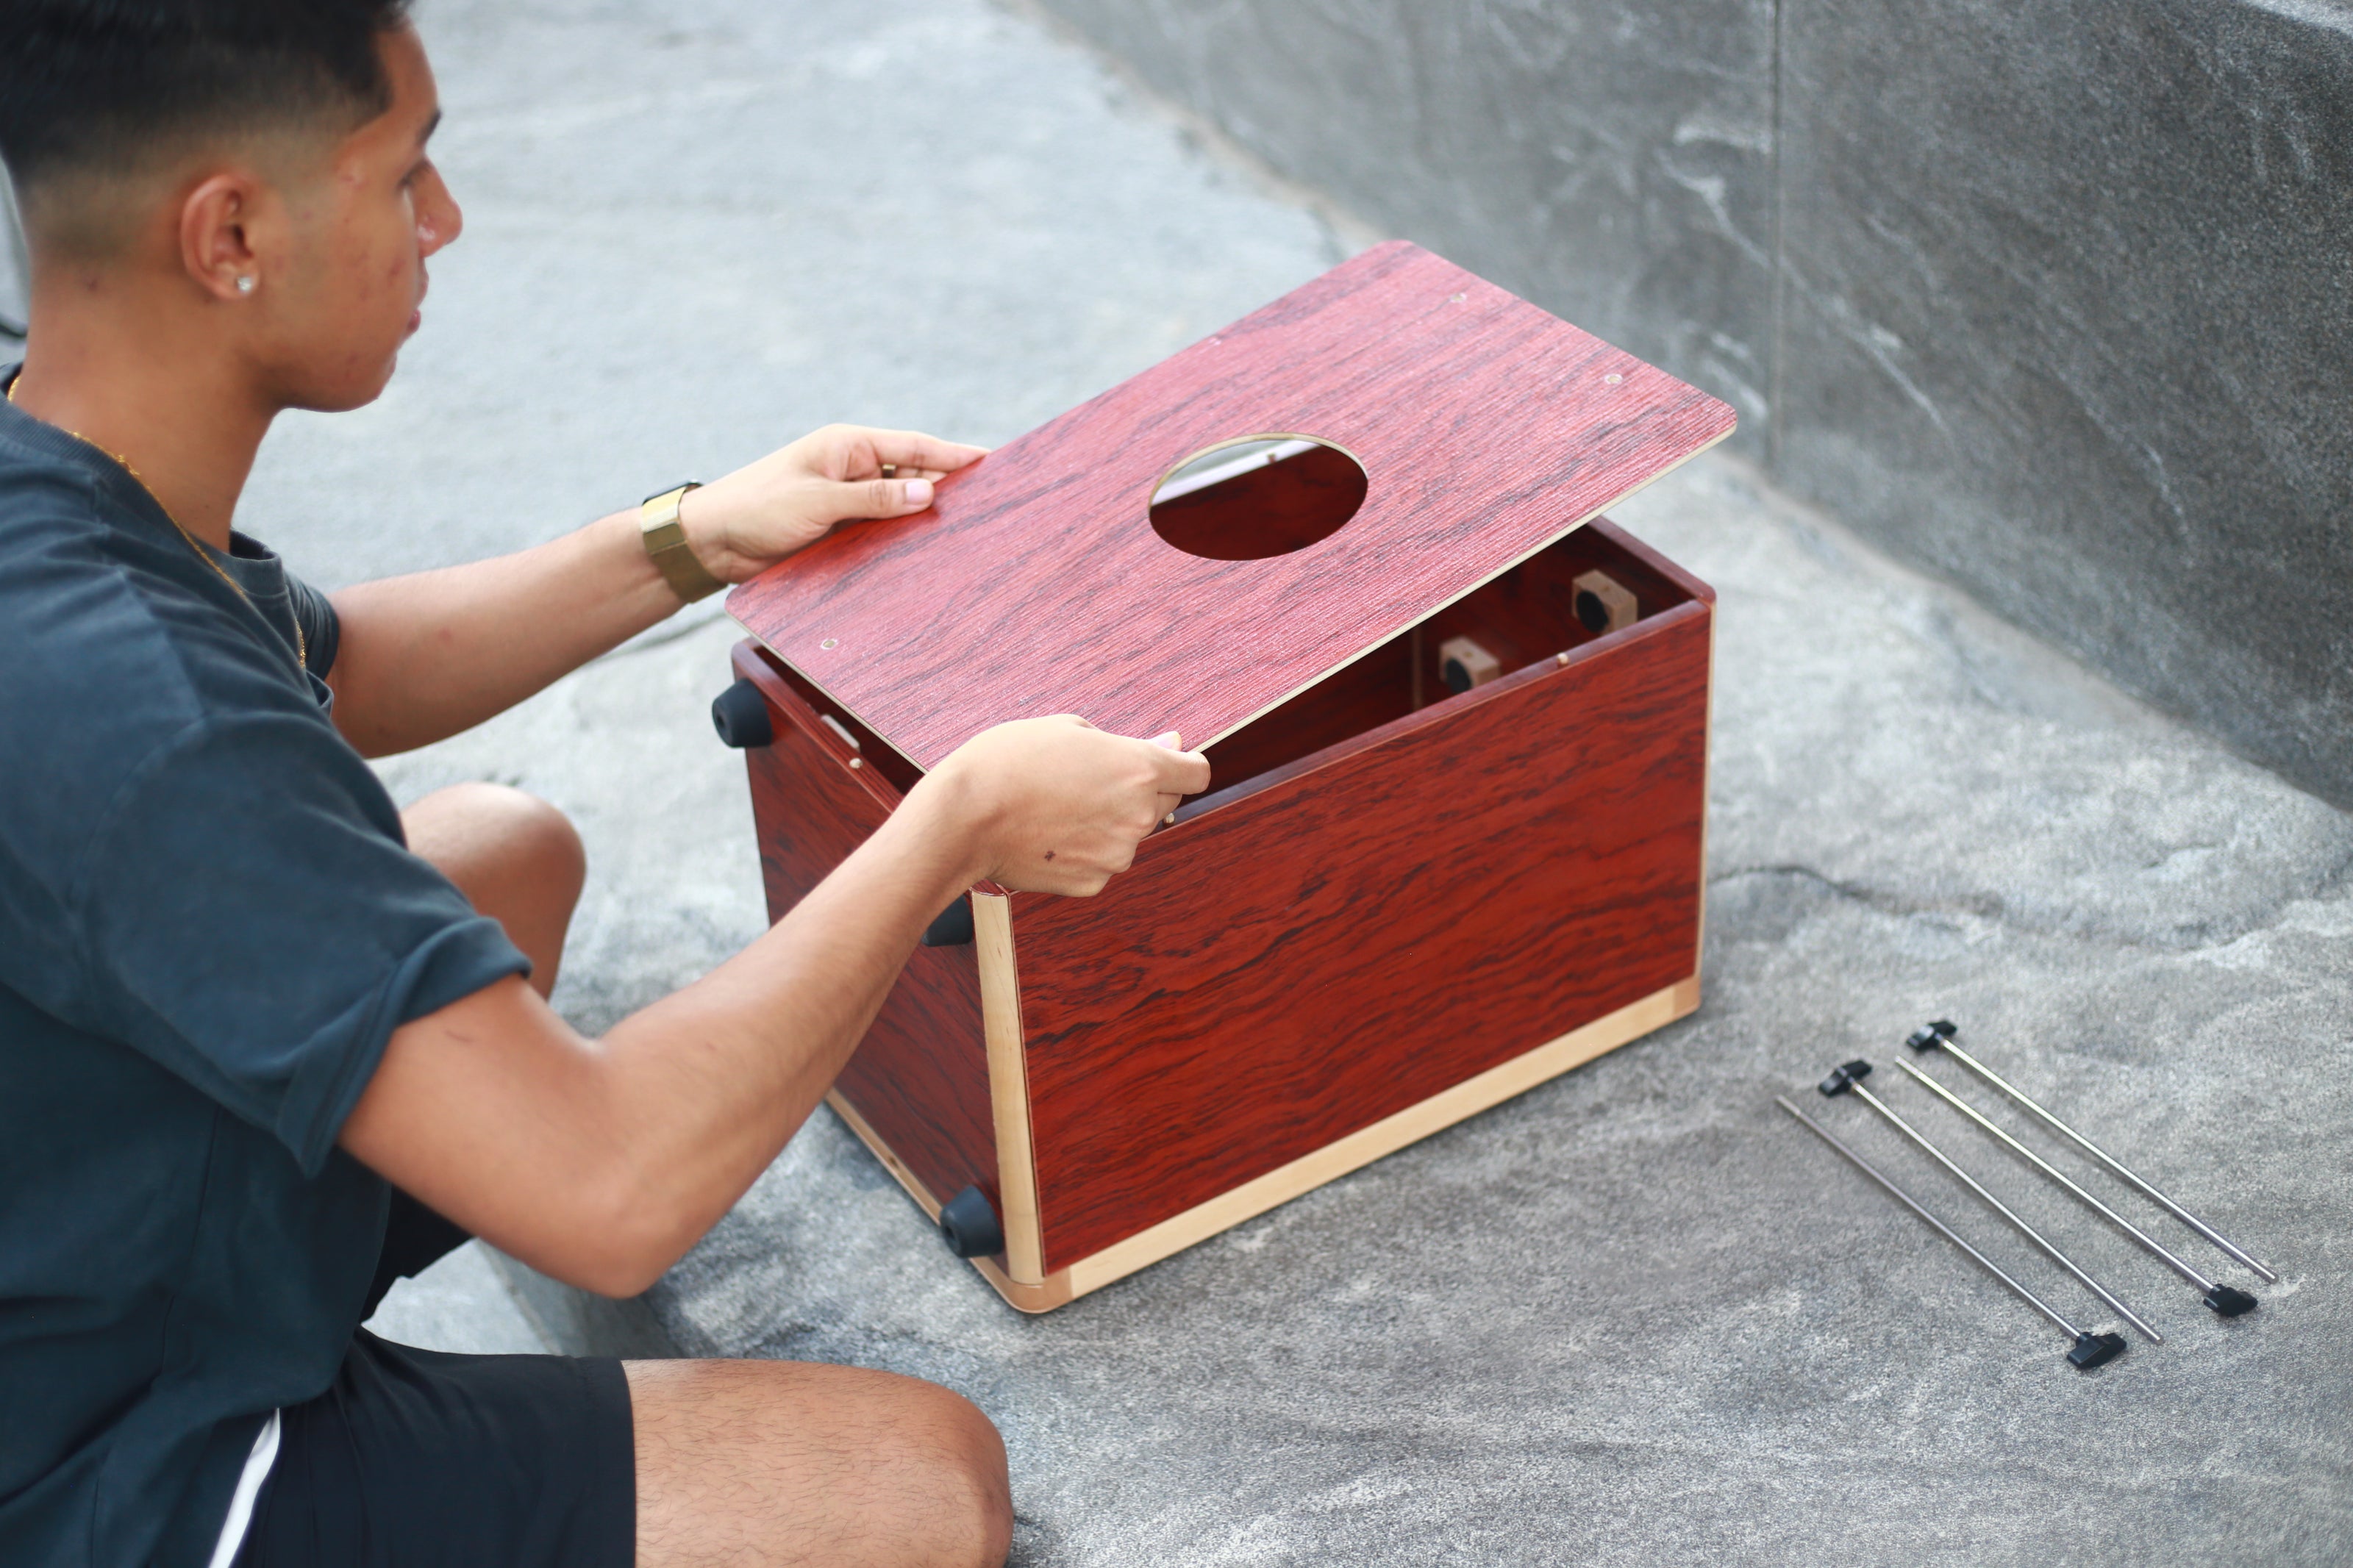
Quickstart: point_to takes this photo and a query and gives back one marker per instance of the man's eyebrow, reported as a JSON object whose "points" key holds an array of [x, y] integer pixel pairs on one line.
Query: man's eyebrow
{"points": [[430, 127]]}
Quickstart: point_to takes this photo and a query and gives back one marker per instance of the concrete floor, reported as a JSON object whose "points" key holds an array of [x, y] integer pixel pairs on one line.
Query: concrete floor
{"points": [[1633, 1316]]}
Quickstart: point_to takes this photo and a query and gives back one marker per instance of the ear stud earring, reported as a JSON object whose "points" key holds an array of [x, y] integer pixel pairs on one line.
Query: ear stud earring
{"points": [[245, 285]]}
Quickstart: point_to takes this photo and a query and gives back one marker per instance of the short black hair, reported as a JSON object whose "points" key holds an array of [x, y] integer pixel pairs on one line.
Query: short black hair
{"points": [[97, 86]]}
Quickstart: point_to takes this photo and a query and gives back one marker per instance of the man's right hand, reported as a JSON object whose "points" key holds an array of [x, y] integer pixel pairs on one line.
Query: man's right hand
{"points": [[1056, 805]]}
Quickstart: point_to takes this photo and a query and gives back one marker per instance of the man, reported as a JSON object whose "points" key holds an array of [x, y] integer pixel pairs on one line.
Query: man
{"points": [[243, 1000]]}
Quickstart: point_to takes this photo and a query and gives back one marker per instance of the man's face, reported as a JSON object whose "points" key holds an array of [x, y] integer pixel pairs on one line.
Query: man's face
{"points": [[358, 230]]}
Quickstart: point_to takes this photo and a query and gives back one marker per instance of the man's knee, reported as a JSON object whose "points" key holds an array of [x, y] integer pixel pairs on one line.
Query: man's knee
{"points": [[947, 1501], [970, 1465], [483, 836], [771, 1461], [516, 858]]}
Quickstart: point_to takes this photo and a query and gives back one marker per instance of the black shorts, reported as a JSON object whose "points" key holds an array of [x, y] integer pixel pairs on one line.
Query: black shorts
{"points": [[458, 1461]]}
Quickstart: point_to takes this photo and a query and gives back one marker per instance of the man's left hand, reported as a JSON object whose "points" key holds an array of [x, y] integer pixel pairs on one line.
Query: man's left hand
{"points": [[792, 498]]}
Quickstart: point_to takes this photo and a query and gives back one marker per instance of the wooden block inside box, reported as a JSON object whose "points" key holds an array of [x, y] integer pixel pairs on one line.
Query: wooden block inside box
{"points": [[1397, 906]]}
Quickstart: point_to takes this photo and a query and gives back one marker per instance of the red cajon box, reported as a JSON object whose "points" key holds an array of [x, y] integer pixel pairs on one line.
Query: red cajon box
{"points": [[1401, 902]]}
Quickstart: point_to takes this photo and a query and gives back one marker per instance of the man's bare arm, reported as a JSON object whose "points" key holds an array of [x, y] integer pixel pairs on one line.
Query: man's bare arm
{"points": [[600, 1161], [426, 655]]}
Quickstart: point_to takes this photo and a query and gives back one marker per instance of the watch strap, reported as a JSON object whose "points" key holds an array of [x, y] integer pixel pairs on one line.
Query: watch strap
{"points": [[665, 541]]}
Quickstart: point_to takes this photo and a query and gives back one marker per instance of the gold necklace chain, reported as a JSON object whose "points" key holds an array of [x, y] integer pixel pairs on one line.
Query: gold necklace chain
{"points": [[302, 644]]}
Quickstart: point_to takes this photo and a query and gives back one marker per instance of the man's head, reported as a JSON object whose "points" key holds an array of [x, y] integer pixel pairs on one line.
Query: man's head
{"points": [[254, 168]]}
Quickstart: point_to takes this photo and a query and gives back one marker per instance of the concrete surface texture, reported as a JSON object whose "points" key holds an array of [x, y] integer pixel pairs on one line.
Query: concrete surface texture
{"points": [[2052, 299], [462, 1303], [1632, 1317], [15, 269]]}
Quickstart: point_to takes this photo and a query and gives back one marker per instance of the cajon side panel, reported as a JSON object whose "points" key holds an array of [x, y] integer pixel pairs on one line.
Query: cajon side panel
{"points": [[1368, 1144], [920, 1078], [1306, 1174], [1282, 972]]}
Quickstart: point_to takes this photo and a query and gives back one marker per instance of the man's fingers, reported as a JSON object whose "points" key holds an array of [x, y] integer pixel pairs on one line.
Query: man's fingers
{"points": [[1180, 772], [875, 498], [912, 451]]}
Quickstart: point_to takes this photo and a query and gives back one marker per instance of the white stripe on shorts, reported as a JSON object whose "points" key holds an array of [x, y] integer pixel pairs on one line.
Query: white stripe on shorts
{"points": [[248, 1487]]}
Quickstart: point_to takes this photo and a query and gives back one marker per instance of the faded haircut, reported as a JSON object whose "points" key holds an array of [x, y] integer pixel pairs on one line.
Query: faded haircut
{"points": [[98, 92]]}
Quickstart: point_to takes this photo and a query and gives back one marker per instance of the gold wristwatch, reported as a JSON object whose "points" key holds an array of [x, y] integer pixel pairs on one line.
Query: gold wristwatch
{"points": [[665, 539]]}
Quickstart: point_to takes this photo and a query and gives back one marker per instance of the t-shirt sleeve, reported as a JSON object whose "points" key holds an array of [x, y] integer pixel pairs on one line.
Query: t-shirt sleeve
{"points": [[322, 630], [250, 919]]}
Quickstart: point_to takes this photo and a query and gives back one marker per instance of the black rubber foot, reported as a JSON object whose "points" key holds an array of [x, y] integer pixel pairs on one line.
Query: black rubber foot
{"points": [[1845, 1077], [740, 714], [2096, 1350], [1457, 676], [1591, 613], [2229, 1301], [969, 1224], [953, 928]]}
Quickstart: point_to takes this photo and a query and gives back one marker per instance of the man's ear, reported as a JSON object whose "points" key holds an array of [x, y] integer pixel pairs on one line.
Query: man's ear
{"points": [[222, 240]]}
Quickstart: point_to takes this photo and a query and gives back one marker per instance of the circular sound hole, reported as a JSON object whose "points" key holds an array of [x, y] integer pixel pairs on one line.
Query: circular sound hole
{"points": [[1257, 496], [1591, 611]]}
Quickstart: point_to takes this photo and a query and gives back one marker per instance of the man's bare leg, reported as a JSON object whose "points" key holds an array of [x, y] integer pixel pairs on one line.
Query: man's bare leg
{"points": [[754, 1464], [745, 1463], [515, 858]]}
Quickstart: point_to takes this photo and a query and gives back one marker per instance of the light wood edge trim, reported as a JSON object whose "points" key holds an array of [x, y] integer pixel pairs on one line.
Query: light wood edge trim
{"points": [[891, 1162], [1009, 1089], [1706, 818], [1028, 1297], [1386, 1136]]}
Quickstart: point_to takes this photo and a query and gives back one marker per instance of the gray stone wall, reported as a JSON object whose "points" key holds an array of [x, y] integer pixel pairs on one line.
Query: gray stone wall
{"points": [[2054, 298]]}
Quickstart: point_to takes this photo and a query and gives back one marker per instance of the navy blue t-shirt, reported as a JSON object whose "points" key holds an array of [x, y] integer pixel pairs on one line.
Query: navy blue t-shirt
{"points": [[209, 925]]}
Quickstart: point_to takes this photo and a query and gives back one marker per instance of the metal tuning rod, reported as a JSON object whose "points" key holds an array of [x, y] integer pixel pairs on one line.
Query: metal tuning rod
{"points": [[1938, 1036], [2089, 1350], [2225, 1300], [1849, 1079]]}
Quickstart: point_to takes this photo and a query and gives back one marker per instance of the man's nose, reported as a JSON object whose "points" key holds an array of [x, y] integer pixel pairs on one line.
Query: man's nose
{"points": [[441, 221]]}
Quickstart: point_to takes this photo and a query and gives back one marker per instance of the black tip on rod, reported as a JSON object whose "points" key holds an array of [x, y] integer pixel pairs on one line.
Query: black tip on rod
{"points": [[2229, 1301], [1845, 1077], [2095, 1350], [1928, 1036]]}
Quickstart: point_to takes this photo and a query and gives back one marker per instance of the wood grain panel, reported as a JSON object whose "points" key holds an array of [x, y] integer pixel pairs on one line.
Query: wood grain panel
{"points": [[1335, 1160], [1331, 945], [919, 1078], [1036, 584]]}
